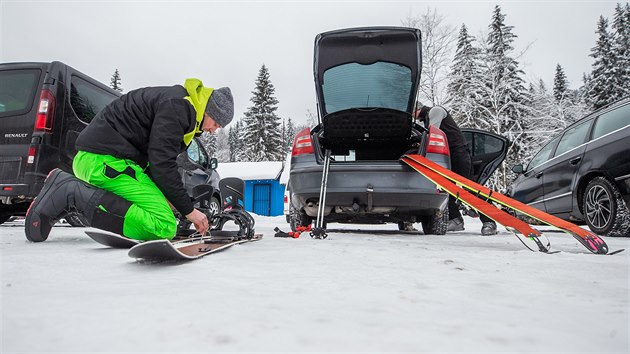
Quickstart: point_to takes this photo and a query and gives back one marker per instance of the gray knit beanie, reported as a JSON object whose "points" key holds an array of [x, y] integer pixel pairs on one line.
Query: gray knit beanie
{"points": [[220, 106]]}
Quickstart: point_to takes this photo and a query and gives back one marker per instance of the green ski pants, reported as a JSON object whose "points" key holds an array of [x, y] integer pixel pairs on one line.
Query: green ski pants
{"points": [[150, 217]]}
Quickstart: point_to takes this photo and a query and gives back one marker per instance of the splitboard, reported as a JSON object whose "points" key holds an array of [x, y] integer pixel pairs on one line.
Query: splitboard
{"points": [[164, 250], [590, 241], [118, 241], [531, 238], [112, 240]]}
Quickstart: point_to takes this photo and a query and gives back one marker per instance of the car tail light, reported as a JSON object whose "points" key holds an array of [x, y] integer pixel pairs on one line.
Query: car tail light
{"points": [[32, 151], [45, 112], [303, 143], [438, 144]]}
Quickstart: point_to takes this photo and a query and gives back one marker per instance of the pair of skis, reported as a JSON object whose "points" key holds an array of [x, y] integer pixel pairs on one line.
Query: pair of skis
{"points": [[181, 250], [470, 192]]}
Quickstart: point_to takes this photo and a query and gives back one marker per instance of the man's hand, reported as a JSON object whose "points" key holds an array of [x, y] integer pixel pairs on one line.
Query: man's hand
{"points": [[200, 220]]}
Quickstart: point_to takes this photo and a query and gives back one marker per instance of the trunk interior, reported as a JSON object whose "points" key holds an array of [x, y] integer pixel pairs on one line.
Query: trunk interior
{"points": [[373, 150]]}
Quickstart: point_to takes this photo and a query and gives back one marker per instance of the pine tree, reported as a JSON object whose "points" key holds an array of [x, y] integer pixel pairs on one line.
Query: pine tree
{"points": [[222, 152], [235, 142], [603, 81], [621, 49], [262, 132], [502, 93], [464, 77], [115, 82], [560, 84], [209, 141], [290, 134]]}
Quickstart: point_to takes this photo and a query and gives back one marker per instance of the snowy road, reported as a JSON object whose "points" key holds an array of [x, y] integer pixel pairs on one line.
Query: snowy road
{"points": [[374, 290]]}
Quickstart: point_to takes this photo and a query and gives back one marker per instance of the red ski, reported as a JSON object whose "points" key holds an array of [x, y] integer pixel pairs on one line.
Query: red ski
{"points": [[589, 240], [530, 237]]}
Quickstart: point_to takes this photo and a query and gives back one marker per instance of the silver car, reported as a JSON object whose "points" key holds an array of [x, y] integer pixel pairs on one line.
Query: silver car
{"points": [[366, 82]]}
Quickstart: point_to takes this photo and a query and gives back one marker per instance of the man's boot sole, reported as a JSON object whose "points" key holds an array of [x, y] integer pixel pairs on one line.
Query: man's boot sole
{"points": [[49, 182]]}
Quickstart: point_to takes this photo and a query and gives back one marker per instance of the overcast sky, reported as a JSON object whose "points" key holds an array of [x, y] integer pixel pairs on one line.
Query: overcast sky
{"points": [[224, 43]]}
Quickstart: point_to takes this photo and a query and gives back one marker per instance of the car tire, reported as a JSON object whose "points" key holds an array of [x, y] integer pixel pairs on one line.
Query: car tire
{"points": [[604, 209], [435, 224], [298, 218], [214, 208]]}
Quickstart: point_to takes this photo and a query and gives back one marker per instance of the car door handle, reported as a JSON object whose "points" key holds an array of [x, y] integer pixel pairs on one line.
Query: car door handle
{"points": [[539, 174], [575, 160]]}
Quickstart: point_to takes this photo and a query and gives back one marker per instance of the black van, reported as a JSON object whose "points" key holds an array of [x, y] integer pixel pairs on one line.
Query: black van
{"points": [[43, 108]]}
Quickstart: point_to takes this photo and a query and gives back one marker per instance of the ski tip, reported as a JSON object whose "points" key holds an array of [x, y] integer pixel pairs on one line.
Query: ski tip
{"points": [[594, 244], [617, 251]]}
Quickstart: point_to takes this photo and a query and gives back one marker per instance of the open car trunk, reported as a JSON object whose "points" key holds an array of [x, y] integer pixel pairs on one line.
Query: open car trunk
{"points": [[355, 150], [366, 82]]}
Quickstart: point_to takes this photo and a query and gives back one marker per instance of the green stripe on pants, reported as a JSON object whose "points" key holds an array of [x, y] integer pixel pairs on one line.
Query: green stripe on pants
{"points": [[150, 217]]}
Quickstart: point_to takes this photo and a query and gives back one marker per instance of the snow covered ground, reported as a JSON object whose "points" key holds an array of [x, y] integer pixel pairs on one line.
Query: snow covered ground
{"points": [[363, 289]]}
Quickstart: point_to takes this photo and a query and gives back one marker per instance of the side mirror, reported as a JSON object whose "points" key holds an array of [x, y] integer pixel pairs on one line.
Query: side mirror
{"points": [[518, 169], [214, 163], [184, 162]]}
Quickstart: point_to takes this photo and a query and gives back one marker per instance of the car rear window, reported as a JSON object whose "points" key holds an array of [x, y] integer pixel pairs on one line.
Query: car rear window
{"points": [[378, 85], [18, 90]]}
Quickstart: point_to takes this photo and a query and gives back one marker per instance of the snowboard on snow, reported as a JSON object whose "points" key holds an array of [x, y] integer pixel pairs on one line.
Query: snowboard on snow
{"points": [[112, 240], [186, 250], [118, 241]]}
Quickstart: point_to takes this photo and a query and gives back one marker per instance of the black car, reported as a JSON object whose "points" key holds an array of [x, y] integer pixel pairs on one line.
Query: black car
{"points": [[583, 174], [43, 108]]}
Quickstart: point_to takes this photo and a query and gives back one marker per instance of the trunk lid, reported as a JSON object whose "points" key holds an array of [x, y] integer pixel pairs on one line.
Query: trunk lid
{"points": [[366, 81]]}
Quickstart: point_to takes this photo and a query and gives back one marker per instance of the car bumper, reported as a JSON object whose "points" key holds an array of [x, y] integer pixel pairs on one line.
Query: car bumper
{"points": [[386, 187]]}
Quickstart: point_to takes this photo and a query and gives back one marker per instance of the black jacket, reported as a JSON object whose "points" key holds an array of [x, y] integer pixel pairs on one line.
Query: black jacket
{"points": [[147, 126]]}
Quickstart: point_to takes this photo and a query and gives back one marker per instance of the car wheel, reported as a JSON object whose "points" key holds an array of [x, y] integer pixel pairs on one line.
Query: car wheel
{"points": [[298, 218], [214, 208], [435, 224], [605, 211]]}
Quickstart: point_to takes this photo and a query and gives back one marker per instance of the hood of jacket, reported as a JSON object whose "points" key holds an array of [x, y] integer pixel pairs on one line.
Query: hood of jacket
{"points": [[198, 96]]}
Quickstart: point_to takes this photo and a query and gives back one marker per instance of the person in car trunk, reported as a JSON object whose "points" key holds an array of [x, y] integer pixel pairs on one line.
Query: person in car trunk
{"points": [[126, 164], [460, 162]]}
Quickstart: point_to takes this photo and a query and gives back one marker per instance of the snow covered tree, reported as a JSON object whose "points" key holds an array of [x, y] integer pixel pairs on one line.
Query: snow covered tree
{"points": [[209, 141], [621, 49], [289, 134], [501, 94], [235, 142], [222, 152], [115, 82], [560, 84], [463, 79], [262, 134], [437, 45], [603, 81]]}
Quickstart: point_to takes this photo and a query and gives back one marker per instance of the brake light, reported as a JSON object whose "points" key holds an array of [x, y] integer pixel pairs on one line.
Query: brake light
{"points": [[303, 143], [438, 144], [45, 112], [32, 151]]}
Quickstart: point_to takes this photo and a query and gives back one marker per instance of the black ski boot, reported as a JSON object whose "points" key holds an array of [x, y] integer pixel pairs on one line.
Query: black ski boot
{"points": [[62, 193]]}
